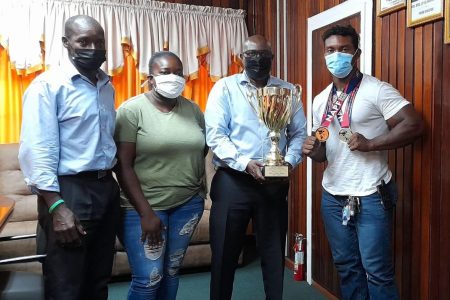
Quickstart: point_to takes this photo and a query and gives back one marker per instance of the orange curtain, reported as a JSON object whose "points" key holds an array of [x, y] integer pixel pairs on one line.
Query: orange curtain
{"points": [[127, 84], [12, 87]]}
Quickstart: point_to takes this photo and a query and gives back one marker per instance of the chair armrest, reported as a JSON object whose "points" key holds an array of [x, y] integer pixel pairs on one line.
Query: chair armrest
{"points": [[17, 237], [22, 259]]}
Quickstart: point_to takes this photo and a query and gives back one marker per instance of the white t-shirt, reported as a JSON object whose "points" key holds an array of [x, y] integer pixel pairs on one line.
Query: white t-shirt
{"points": [[353, 172]]}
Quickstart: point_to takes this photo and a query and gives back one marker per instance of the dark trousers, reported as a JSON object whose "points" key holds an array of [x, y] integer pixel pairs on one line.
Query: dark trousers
{"points": [[237, 198], [81, 273]]}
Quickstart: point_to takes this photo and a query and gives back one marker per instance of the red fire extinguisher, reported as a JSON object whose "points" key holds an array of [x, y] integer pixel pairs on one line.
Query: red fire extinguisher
{"points": [[299, 257]]}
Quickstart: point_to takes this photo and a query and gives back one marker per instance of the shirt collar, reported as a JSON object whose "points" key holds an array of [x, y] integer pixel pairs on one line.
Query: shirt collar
{"points": [[71, 72], [244, 80]]}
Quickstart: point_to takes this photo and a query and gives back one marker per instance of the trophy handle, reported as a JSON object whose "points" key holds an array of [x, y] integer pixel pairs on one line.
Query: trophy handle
{"points": [[298, 98], [250, 96], [298, 91]]}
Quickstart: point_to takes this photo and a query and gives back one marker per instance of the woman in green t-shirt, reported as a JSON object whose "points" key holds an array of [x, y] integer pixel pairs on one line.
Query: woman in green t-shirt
{"points": [[160, 147]]}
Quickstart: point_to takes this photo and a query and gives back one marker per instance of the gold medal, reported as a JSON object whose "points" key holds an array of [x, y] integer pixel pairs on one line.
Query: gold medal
{"points": [[322, 134], [345, 134]]}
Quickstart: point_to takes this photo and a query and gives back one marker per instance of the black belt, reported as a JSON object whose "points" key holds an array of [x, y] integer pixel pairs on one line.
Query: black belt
{"points": [[93, 174], [233, 171]]}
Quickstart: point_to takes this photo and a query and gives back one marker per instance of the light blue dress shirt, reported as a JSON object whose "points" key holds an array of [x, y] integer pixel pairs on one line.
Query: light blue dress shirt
{"points": [[67, 127], [234, 132]]}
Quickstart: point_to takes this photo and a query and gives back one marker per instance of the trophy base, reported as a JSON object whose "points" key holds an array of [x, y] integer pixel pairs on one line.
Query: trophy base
{"points": [[276, 171]]}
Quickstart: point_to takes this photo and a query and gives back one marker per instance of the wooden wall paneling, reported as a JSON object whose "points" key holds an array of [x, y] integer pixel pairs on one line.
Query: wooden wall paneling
{"points": [[426, 201], [270, 31], [251, 18], [297, 200], [435, 178], [295, 187], [419, 243], [296, 47], [217, 3], [225, 3], [399, 162], [235, 4], [376, 63], [416, 241], [407, 201], [256, 17], [281, 44], [295, 184], [444, 216]]}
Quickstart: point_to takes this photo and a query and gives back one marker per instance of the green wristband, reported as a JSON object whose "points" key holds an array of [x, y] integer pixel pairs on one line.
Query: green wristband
{"points": [[55, 205]]}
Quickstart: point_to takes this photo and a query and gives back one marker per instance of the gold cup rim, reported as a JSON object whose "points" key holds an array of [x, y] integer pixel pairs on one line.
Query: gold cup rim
{"points": [[274, 90]]}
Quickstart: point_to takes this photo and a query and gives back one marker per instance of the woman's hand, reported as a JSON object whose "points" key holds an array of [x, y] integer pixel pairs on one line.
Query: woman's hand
{"points": [[152, 228]]}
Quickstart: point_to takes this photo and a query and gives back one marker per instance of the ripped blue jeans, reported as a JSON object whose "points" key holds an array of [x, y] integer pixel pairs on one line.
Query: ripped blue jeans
{"points": [[155, 272]]}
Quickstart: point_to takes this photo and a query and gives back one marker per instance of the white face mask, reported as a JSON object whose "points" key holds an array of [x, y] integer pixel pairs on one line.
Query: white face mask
{"points": [[169, 85]]}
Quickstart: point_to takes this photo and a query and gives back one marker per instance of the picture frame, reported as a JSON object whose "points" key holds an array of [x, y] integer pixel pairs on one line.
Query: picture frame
{"points": [[424, 11], [385, 7], [447, 22]]}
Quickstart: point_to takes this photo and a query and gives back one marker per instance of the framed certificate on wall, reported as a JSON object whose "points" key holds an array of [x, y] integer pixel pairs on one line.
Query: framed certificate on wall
{"points": [[423, 11], [387, 6]]}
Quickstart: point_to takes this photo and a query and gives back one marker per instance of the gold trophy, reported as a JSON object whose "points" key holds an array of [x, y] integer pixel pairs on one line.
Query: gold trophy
{"points": [[275, 106]]}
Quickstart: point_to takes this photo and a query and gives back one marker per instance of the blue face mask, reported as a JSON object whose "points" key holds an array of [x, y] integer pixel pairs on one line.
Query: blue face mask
{"points": [[339, 64]]}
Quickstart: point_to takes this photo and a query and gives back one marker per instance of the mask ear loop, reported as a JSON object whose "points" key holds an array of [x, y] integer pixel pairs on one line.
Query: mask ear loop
{"points": [[144, 83], [353, 56]]}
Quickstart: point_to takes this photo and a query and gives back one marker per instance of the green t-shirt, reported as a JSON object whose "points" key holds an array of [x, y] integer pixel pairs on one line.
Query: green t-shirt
{"points": [[169, 161]]}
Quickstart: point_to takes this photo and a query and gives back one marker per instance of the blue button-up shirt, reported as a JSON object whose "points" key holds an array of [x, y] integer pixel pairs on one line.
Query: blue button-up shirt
{"points": [[234, 132], [67, 126]]}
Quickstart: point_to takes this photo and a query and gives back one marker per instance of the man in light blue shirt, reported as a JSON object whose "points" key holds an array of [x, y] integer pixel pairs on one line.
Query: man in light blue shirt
{"points": [[239, 191], [66, 155]]}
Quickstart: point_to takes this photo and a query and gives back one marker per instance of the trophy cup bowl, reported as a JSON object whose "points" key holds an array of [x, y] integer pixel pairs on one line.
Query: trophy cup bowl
{"points": [[275, 107]]}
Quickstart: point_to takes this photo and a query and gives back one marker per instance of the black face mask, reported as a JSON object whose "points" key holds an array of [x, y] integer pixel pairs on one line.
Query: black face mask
{"points": [[89, 59], [258, 68]]}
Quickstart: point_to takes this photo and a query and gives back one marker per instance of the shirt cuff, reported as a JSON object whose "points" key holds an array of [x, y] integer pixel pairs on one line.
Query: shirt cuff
{"points": [[241, 163], [292, 160], [50, 185]]}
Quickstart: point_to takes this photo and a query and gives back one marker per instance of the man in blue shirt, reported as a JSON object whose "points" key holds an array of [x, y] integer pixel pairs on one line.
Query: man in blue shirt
{"points": [[66, 155], [239, 191]]}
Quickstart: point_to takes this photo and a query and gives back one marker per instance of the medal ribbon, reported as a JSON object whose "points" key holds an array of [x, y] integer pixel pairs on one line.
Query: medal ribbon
{"points": [[335, 103]]}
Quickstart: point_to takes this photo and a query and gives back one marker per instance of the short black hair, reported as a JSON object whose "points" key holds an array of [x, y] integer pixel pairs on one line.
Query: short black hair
{"points": [[158, 55], [71, 25], [342, 31]]}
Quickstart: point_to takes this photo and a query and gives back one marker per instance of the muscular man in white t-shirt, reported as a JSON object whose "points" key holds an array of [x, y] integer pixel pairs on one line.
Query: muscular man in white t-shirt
{"points": [[356, 119]]}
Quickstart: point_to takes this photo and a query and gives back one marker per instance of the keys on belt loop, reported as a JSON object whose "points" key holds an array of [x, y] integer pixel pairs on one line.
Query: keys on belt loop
{"points": [[350, 208]]}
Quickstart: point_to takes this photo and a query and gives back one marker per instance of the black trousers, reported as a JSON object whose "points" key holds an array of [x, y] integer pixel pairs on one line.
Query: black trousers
{"points": [[81, 273], [237, 198]]}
